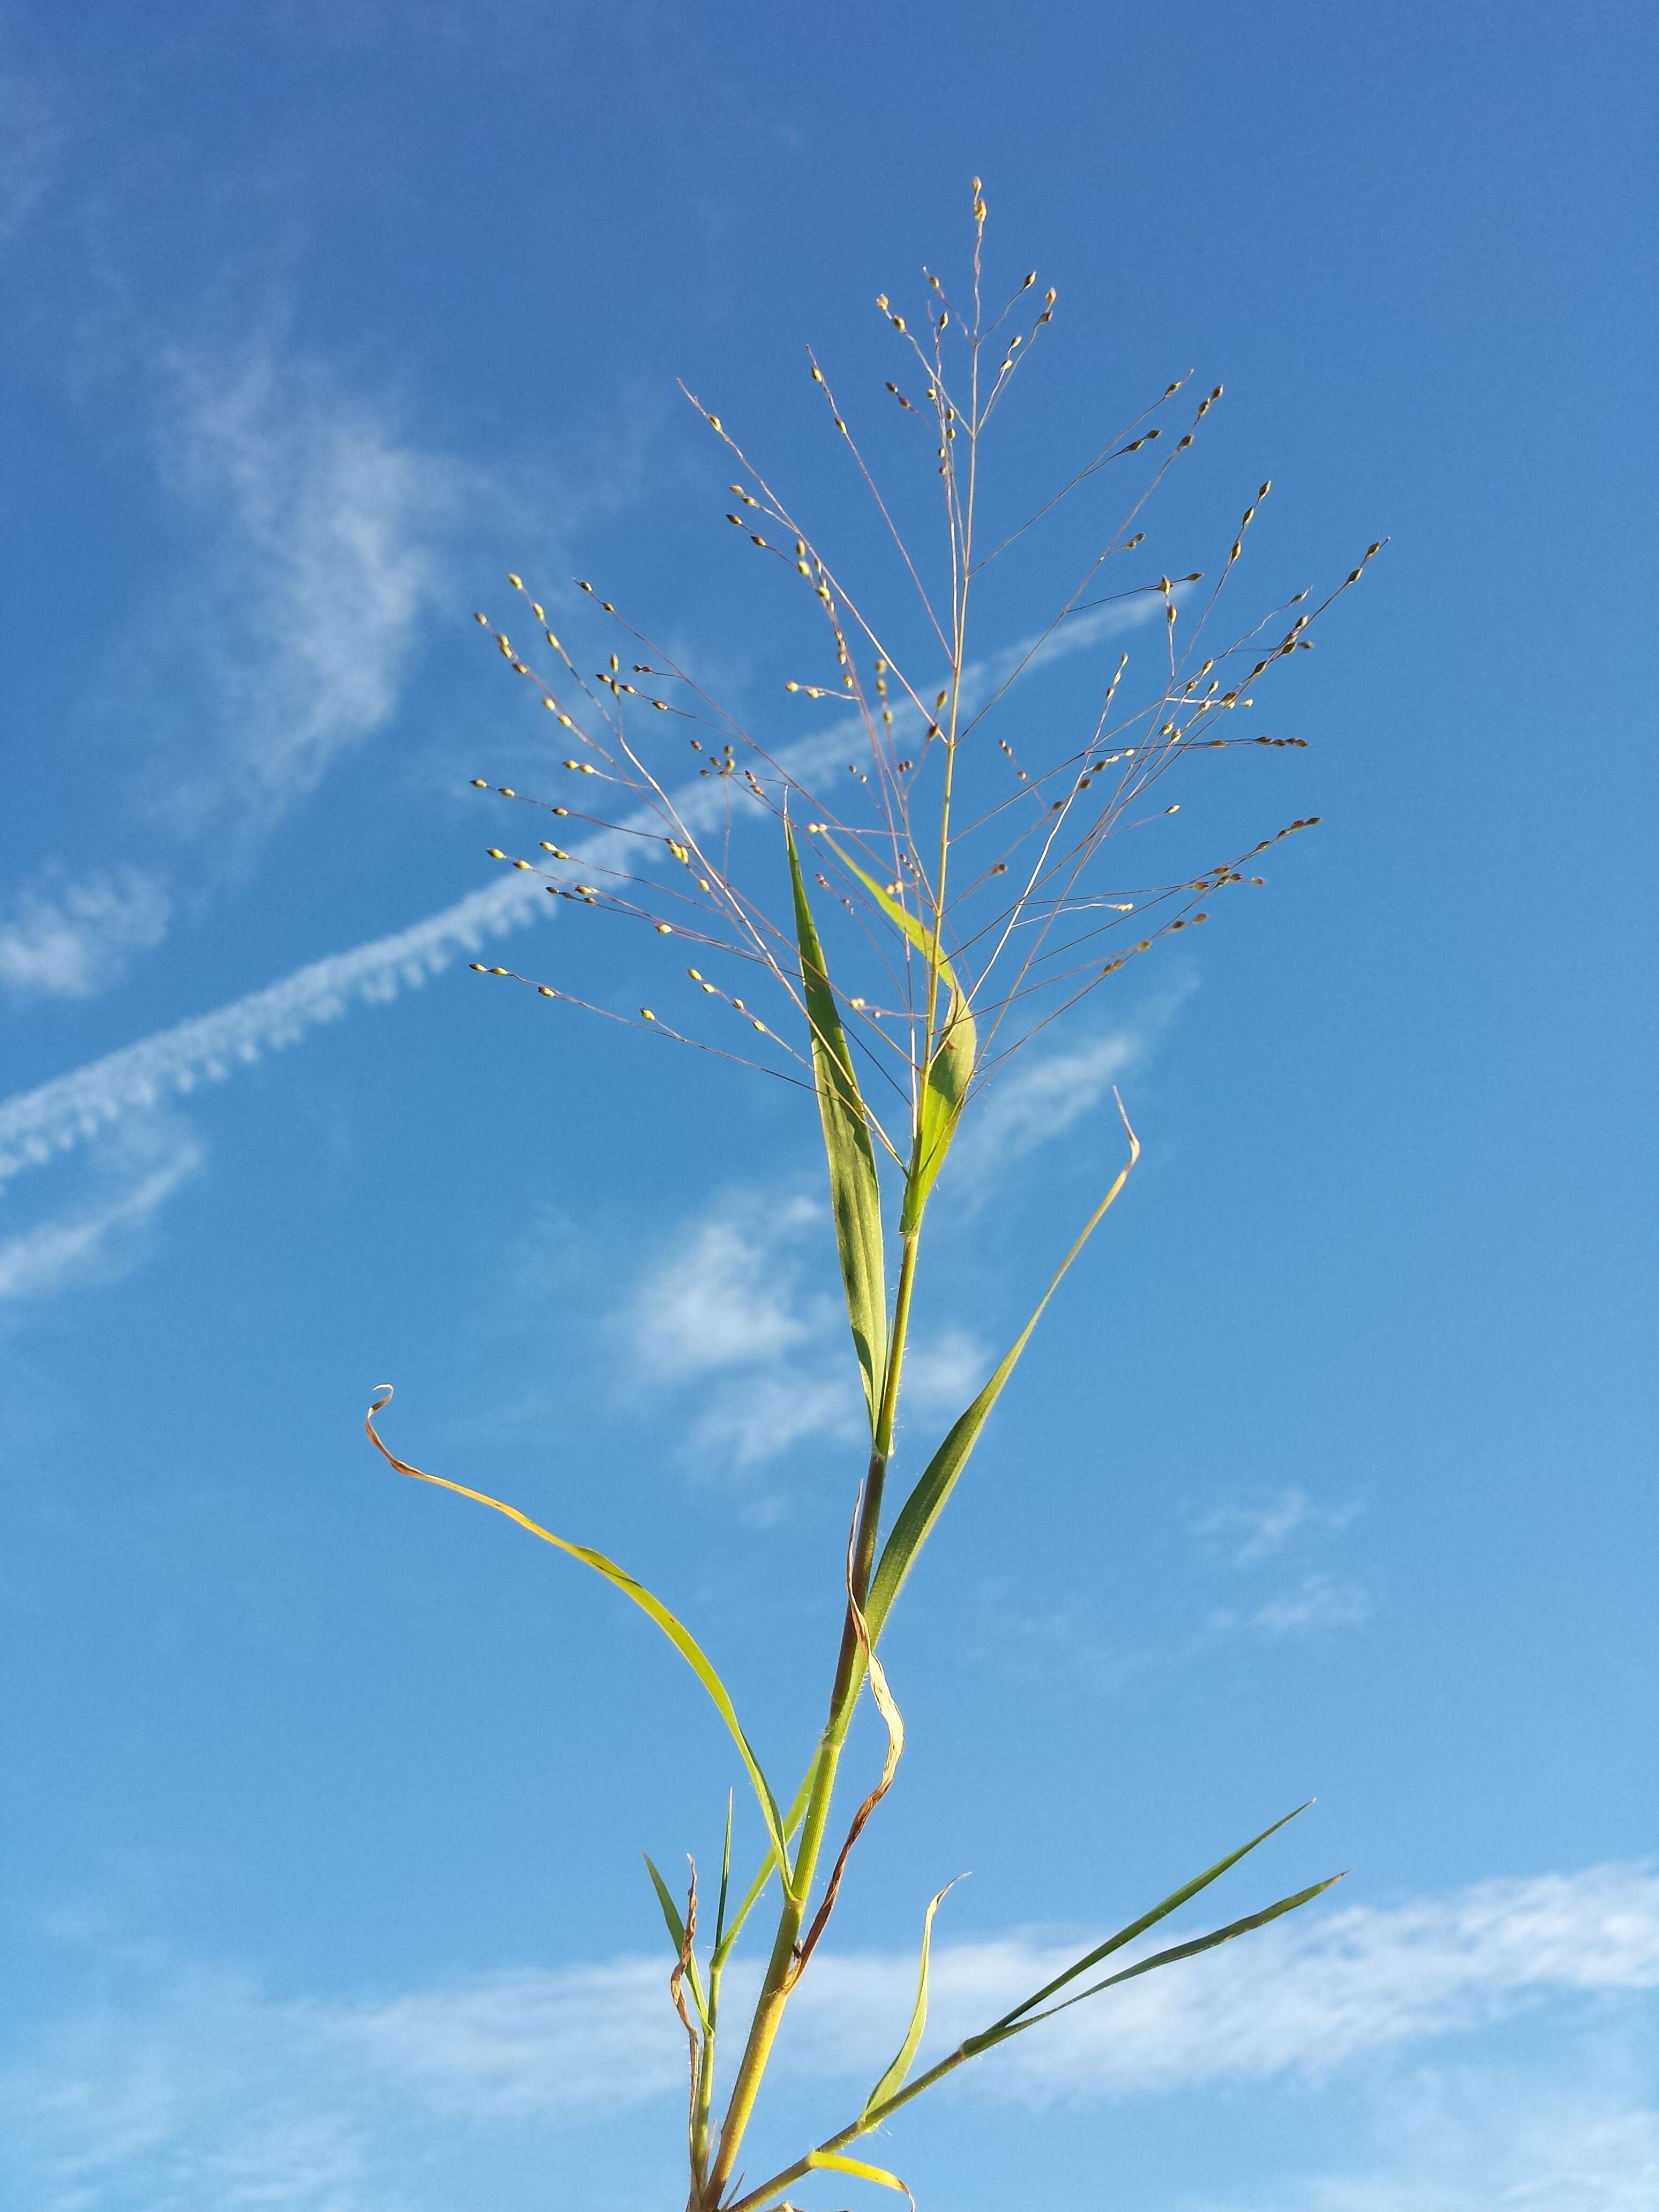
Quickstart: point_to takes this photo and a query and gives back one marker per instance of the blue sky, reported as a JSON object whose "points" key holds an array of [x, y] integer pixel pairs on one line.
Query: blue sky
{"points": [[1331, 1473]]}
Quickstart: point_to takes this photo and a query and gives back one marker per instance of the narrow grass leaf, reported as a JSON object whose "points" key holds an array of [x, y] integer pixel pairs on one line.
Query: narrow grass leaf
{"points": [[1173, 1903], [677, 1634], [670, 1912], [677, 1932], [922, 1508], [992, 2036], [954, 1047], [893, 2079], [725, 1875], [832, 2162], [752, 1895], [855, 1190], [1203, 1942]]}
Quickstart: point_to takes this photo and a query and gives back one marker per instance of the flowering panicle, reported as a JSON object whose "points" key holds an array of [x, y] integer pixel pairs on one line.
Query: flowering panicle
{"points": [[997, 857]]}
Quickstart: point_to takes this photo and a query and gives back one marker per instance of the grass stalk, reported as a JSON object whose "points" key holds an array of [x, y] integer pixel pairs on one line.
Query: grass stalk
{"points": [[781, 1969], [994, 893]]}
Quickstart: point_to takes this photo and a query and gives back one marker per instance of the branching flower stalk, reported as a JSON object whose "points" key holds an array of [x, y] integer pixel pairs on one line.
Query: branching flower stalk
{"points": [[972, 907]]}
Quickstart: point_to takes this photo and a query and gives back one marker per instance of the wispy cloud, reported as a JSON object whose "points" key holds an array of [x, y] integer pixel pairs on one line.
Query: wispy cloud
{"points": [[943, 1369], [318, 525], [68, 942], [733, 1312], [1042, 1097], [327, 526], [193, 2088], [1316, 1603], [1249, 1534], [1267, 1535], [1047, 1093], [739, 1312], [277, 627], [1304, 1996], [1270, 1546], [98, 1239], [728, 1290], [1580, 2134]]}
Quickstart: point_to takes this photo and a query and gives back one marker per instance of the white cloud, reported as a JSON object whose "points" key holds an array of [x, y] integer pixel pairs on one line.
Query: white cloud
{"points": [[1045, 1093], [329, 527], [736, 1309], [1579, 2136], [69, 944], [1064, 1638], [198, 2091], [944, 1371], [746, 1424], [1252, 1537], [1304, 1996], [741, 1309], [98, 1240], [1252, 1533], [482, 2048], [728, 1290], [1314, 1603]]}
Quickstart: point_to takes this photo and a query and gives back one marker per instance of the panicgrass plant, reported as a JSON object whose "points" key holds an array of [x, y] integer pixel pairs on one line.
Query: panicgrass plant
{"points": [[884, 919]]}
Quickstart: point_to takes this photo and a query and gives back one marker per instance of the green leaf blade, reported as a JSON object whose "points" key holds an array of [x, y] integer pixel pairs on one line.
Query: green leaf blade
{"points": [[854, 1188], [919, 1513], [956, 1048], [1136, 1927], [893, 2079], [1177, 1951]]}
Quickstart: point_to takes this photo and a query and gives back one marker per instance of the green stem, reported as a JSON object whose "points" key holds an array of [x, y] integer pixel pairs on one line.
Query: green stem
{"points": [[700, 2131], [776, 1986], [850, 1664], [861, 2126], [958, 661]]}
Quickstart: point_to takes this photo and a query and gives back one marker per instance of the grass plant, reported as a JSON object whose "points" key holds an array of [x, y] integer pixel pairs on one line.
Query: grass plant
{"points": [[884, 918]]}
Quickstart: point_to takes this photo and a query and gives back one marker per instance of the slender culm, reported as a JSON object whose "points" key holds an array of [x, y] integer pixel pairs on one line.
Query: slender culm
{"points": [[881, 916]]}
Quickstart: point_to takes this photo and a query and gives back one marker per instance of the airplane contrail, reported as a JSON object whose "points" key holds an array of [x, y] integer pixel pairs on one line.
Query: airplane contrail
{"points": [[37, 1126]]}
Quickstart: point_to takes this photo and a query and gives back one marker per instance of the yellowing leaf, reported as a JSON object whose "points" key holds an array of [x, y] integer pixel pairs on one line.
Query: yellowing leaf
{"points": [[893, 2079], [835, 2162], [678, 1635]]}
